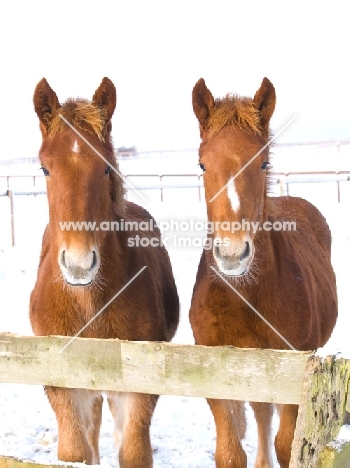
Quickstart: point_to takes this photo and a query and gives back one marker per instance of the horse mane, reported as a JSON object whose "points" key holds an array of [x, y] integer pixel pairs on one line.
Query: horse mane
{"points": [[234, 109], [117, 190], [86, 116]]}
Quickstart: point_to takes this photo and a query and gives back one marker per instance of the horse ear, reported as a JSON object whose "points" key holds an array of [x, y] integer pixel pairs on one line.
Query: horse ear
{"points": [[202, 102], [265, 100], [45, 103], [105, 98]]}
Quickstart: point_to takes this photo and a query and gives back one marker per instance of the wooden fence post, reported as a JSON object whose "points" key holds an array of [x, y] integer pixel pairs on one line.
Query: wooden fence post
{"points": [[321, 414], [10, 195]]}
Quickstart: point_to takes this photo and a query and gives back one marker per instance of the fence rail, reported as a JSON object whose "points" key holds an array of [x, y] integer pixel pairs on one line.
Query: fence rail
{"points": [[319, 386], [158, 368], [284, 179]]}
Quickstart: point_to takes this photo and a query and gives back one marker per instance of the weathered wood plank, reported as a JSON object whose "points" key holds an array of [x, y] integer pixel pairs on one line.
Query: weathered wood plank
{"points": [[11, 462], [159, 368], [321, 412]]}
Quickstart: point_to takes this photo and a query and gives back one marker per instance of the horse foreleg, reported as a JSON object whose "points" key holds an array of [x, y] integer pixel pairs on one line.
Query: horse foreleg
{"points": [[284, 438], [94, 429], [78, 414], [132, 414], [230, 427], [263, 415]]}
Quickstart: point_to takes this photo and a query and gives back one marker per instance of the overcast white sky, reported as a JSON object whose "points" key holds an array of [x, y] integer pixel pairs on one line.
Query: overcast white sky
{"points": [[155, 51]]}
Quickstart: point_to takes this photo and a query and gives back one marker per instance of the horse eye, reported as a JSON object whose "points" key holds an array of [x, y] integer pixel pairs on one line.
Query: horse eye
{"points": [[265, 165], [45, 171], [201, 165], [108, 169]]}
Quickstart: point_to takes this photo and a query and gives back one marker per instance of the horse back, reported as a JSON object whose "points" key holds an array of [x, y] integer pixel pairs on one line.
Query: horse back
{"points": [[305, 215]]}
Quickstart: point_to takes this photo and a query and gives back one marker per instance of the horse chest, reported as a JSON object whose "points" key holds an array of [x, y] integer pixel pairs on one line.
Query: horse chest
{"points": [[224, 322]]}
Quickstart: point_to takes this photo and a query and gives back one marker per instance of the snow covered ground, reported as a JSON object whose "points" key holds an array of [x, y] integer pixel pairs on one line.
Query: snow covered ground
{"points": [[183, 433]]}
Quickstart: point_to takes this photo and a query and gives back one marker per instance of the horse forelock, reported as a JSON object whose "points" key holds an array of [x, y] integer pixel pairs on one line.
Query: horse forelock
{"points": [[233, 109], [239, 111], [83, 115]]}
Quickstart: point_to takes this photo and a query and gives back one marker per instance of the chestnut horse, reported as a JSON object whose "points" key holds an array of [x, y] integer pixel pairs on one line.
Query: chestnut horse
{"points": [[81, 270], [285, 275]]}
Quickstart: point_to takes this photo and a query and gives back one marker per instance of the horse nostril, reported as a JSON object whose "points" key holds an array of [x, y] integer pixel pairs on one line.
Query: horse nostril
{"points": [[246, 252], [216, 252], [63, 259], [94, 259]]}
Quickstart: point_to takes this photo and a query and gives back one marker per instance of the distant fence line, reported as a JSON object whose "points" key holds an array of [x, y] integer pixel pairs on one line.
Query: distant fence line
{"points": [[134, 154], [281, 181]]}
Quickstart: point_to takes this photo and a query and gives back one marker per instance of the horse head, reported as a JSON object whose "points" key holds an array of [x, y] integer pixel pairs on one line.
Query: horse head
{"points": [[83, 186], [234, 156]]}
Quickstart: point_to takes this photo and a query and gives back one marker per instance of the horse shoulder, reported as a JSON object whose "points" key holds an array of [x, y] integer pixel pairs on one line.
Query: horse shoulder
{"points": [[160, 280]]}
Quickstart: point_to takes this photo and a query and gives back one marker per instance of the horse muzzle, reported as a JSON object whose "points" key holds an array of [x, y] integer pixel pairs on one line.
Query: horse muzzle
{"points": [[232, 257], [79, 268]]}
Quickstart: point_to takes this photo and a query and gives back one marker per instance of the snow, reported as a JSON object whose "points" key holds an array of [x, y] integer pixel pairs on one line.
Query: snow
{"points": [[183, 432], [342, 438]]}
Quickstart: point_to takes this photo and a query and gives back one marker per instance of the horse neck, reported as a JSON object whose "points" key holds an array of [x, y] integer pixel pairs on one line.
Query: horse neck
{"points": [[264, 252]]}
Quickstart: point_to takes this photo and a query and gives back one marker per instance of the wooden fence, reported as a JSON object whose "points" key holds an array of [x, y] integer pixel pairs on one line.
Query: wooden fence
{"points": [[319, 385]]}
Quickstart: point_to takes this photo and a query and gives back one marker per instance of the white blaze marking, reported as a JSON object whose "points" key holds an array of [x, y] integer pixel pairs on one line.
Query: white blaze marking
{"points": [[233, 195], [75, 147]]}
